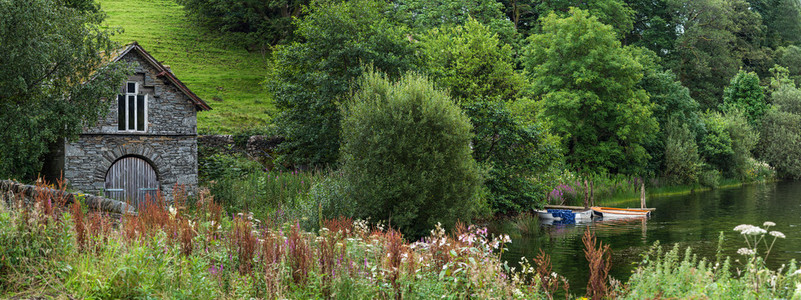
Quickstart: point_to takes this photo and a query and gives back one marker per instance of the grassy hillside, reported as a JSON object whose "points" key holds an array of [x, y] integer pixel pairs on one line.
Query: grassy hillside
{"points": [[226, 76]]}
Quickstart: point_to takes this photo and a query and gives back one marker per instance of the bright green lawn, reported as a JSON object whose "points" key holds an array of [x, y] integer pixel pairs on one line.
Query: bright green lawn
{"points": [[226, 76]]}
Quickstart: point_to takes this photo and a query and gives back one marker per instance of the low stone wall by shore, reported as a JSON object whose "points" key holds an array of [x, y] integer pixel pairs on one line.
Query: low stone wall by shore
{"points": [[256, 146], [12, 193]]}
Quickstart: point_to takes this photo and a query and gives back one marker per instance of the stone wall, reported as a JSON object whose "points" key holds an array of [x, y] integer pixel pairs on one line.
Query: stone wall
{"points": [[13, 193], [174, 158], [169, 143], [169, 111], [256, 146]]}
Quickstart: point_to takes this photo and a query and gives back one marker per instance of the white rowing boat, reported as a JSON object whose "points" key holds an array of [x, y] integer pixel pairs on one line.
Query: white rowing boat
{"points": [[619, 213]]}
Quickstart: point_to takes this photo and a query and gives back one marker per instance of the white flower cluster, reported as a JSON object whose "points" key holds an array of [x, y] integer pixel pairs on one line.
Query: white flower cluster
{"points": [[746, 251], [777, 234], [746, 229]]}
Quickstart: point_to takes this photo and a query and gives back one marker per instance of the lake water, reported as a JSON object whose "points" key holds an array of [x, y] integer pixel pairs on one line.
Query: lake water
{"points": [[693, 220]]}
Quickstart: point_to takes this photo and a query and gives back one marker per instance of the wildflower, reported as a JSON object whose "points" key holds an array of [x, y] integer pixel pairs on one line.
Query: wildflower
{"points": [[742, 227], [777, 234], [754, 231], [768, 224], [745, 251]]}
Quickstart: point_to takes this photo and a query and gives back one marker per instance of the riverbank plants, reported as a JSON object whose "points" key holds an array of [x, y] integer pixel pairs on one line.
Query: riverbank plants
{"points": [[671, 275], [200, 253]]}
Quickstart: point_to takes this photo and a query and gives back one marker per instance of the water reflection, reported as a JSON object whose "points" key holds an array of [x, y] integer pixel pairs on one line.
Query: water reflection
{"points": [[693, 221]]}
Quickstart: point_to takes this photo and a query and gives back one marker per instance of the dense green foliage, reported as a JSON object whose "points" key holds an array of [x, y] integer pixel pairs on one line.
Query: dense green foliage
{"points": [[471, 62], [406, 154], [745, 94], [682, 164], [790, 58], [781, 128], [53, 79], [515, 155], [672, 104], [309, 79], [728, 142], [589, 86], [261, 22], [423, 15], [711, 49]]}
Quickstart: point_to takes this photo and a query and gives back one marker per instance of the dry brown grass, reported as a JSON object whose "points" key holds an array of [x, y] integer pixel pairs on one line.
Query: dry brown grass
{"points": [[598, 257]]}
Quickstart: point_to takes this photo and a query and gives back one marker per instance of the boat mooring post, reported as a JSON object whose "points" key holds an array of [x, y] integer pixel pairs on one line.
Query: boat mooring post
{"points": [[642, 195], [586, 195]]}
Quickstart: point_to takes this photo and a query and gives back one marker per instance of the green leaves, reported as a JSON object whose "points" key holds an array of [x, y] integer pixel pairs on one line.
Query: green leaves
{"points": [[745, 93], [471, 62], [308, 79], [406, 154], [54, 80], [588, 84], [515, 155]]}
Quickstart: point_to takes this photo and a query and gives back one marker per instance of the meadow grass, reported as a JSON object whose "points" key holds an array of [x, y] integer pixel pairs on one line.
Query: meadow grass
{"points": [[216, 67]]}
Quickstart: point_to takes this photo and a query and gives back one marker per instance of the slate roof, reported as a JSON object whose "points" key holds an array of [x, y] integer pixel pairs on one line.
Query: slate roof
{"points": [[163, 72]]}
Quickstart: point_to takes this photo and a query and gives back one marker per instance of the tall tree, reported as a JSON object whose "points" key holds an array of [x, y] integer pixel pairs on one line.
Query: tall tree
{"points": [[589, 87], [746, 95], [705, 58], [673, 109], [54, 78], [716, 39], [308, 78], [653, 26], [781, 127], [782, 19]]}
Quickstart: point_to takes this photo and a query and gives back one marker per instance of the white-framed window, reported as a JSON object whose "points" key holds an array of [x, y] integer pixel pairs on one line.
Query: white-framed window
{"points": [[132, 109]]}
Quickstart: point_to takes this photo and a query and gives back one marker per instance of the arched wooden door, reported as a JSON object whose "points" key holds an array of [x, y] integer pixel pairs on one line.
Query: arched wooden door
{"points": [[131, 179]]}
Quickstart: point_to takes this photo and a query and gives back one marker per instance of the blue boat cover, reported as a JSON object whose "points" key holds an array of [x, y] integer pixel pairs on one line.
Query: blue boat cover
{"points": [[567, 215]]}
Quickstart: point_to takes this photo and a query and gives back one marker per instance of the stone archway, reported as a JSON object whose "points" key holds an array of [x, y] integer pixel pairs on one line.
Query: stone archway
{"points": [[139, 150], [133, 180]]}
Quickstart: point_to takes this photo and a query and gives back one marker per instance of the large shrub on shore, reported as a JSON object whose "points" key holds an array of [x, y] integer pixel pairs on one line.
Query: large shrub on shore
{"points": [[727, 143], [406, 154], [781, 128]]}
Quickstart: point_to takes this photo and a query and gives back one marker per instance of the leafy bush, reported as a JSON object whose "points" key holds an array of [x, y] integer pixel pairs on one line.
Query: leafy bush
{"points": [[745, 94], [710, 178], [406, 154], [682, 163], [309, 78], [781, 132], [220, 165], [515, 155], [727, 142]]}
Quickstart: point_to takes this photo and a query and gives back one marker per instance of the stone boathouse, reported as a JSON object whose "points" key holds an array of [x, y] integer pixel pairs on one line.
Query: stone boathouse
{"points": [[145, 144]]}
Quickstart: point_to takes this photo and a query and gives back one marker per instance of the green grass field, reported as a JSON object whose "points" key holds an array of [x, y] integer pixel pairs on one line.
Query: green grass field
{"points": [[218, 70]]}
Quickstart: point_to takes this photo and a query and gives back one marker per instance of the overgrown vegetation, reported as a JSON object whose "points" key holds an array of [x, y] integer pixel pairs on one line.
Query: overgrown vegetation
{"points": [[197, 250], [406, 155], [49, 51]]}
